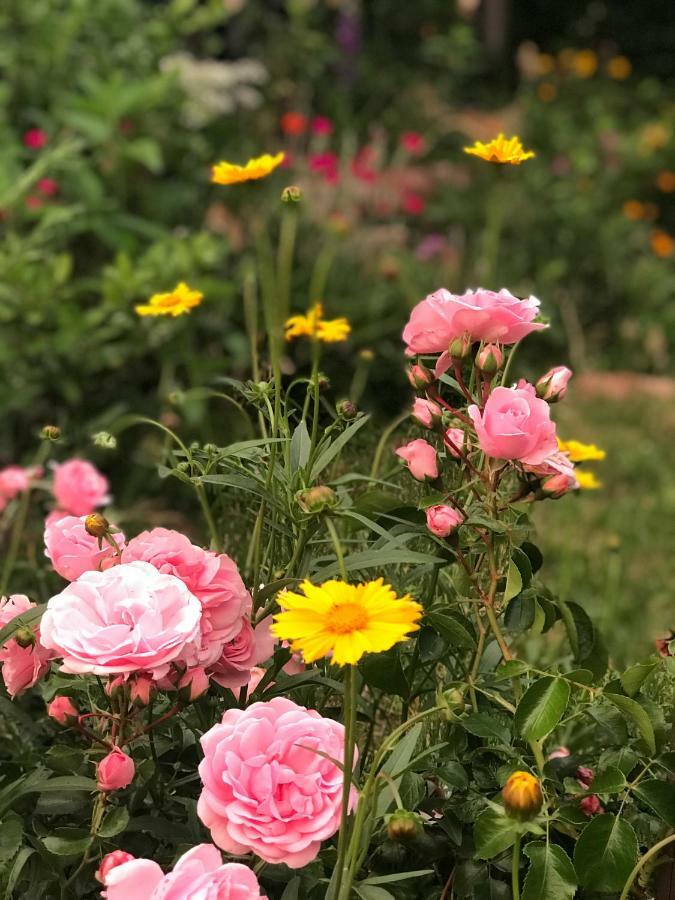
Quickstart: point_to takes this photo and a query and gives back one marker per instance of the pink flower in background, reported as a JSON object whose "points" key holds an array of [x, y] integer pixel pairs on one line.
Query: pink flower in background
{"points": [[14, 480], [559, 753], [454, 441], [199, 874], [327, 165], [248, 648], [35, 139], [194, 682], [32, 201], [515, 424], [484, 315], [585, 776], [265, 789], [412, 203], [79, 487], [426, 412], [420, 457], [362, 165], [553, 385], [413, 143], [130, 618], [62, 710], [21, 666], [73, 551], [443, 520], [322, 126], [115, 771], [430, 246], [47, 186]]}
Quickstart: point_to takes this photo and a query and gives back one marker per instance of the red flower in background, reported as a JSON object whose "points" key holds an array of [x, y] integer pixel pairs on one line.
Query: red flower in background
{"points": [[322, 126], [412, 203], [47, 186], [413, 143], [362, 165], [33, 202], [327, 165], [35, 139], [293, 123]]}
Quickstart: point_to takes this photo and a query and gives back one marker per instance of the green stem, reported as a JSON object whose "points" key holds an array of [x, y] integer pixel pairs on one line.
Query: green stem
{"points": [[208, 515], [515, 870], [382, 443], [343, 887], [338, 549], [641, 862]]}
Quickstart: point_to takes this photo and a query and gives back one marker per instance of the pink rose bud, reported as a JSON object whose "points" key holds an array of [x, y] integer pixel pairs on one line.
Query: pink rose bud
{"points": [[426, 412], [115, 771], [559, 753], [193, 684], [142, 690], [585, 776], [489, 359], [110, 861], [591, 806], [460, 347], [553, 385], [63, 711], [443, 520], [420, 377], [420, 457], [454, 441], [557, 485], [114, 685]]}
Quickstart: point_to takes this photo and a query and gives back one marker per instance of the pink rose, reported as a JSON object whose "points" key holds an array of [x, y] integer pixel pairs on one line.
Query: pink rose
{"points": [[420, 458], [420, 377], [72, 550], [265, 789], [79, 487], [21, 666], [515, 424], [115, 771], [454, 441], [443, 520], [585, 776], [111, 861], [14, 480], [62, 710], [248, 648], [483, 315], [199, 874], [127, 619], [426, 412], [553, 385]]}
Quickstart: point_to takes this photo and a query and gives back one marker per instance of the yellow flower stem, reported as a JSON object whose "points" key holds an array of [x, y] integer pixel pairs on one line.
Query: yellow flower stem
{"points": [[515, 870], [287, 234], [251, 324], [317, 284], [316, 356], [494, 220], [342, 887]]}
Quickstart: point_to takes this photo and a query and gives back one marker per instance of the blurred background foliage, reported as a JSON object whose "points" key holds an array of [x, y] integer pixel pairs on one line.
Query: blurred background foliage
{"points": [[111, 112]]}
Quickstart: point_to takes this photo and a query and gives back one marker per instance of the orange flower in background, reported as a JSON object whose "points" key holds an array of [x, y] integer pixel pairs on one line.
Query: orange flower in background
{"points": [[619, 68], [501, 150], [174, 303], [633, 209], [545, 63], [258, 167], [547, 92], [293, 123], [665, 181], [585, 63], [662, 243]]}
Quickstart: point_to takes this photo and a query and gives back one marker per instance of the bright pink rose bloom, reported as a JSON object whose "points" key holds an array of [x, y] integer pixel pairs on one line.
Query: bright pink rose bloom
{"points": [[79, 487], [193, 683], [72, 550], [322, 126], [553, 385], [199, 874], [115, 771], [443, 520], [420, 458], [129, 618], [248, 648], [484, 315], [265, 789], [454, 441], [21, 666], [62, 710], [110, 861], [515, 424], [34, 138], [426, 412], [413, 143], [591, 806]]}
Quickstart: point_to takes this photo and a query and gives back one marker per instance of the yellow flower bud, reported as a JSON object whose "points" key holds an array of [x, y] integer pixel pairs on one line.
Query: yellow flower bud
{"points": [[96, 525], [522, 795]]}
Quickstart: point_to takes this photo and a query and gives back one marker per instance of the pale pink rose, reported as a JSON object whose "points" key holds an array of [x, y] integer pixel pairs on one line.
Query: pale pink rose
{"points": [[265, 789], [199, 874], [111, 861], [443, 520], [130, 618], [115, 771], [248, 648], [193, 683], [62, 710], [553, 385], [483, 315], [426, 412], [454, 441], [15, 480], [54, 516], [21, 666], [79, 487], [515, 424], [420, 457], [72, 550]]}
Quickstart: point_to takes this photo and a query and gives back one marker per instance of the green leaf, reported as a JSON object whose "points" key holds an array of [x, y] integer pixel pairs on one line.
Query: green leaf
{"points": [[605, 854], [375, 559], [115, 822], [512, 668], [30, 617], [328, 455], [372, 892], [397, 762], [521, 559], [68, 841], [519, 614], [300, 447], [11, 831], [21, 859], [384, 671], [551, 875], [492, 834], [486, 726], [145, 151], [454, 627], [541, 708], [610, 781], [495, 525], [634, 677], [397, 876], [633, 709], [660, 795], [514, 582]]}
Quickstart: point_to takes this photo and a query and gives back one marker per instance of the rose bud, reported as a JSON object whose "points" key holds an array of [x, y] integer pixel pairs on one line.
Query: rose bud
{"points": [[420, 458], [347, 410], [522, 796], [114, 686], [591, 806], [316, 499], [460, 347], [24, 637], [96, 525], [142, 690], [553, 385], [115, 771], [426, 413], [63, 711], [420, 377], [110, 861], [585, 776], [443, 520], [489, 359], [454, 441], [193, 684], [403, 826], [51, 433]]}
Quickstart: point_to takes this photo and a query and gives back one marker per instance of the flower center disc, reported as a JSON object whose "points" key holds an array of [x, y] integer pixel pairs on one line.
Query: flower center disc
{"points": [[346, 617]]}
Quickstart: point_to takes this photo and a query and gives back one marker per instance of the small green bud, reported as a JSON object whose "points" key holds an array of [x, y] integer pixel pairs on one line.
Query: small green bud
{"points": [[291, 194], [104, 439], [460, 347], [404, 826], [51, 433], [24, 637], [347, 410], [316, 499]]}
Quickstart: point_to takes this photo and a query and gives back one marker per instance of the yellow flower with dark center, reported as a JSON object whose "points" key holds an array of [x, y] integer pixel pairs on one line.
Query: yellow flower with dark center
{"points": [[587, 481], [501, 150], [579, 452], [174, 303], [258, 167], [345, 620], [522, 795], [313, 325]]}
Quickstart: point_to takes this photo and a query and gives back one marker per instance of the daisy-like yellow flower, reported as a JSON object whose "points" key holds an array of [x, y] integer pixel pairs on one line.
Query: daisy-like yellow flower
{"points": [[587, 480], [346, 620], [258, 167], [501, 150], [174, 303], [579, 452], [313, 325]]}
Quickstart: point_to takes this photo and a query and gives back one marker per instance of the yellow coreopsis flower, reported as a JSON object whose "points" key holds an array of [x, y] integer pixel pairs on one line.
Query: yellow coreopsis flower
{"points": [[587, 481], [346, 620], [501, 150], [313, 325], [579, 452], [258, 167], [174, 303]]}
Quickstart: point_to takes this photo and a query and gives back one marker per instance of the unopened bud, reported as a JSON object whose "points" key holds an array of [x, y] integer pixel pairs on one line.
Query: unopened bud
{"points": [[193, 684], [51, 432], [489, 359], [291, 194], [460, 347], [316, 499], [553, 385], [420, 377], [557, 485], [24, 637], [96, 525], [105, 440], [451, 702], [323, 382], [142, 690], [404, 826], [522, 796], [63, 711], [366, 355], [390, 268], [347, 410]]}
